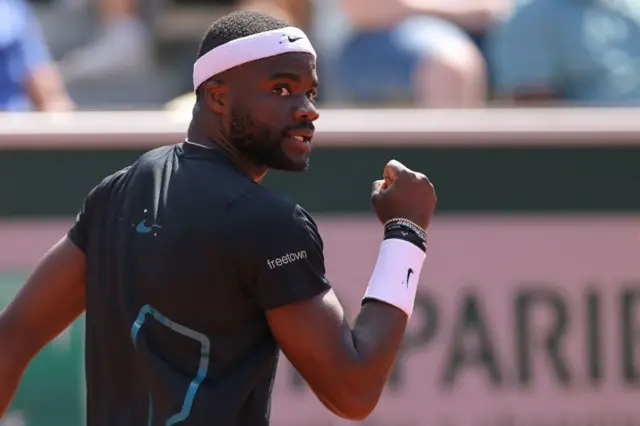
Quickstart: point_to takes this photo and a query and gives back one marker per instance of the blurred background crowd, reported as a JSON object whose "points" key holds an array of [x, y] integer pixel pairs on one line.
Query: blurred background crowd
{"points": [[138, 54]]}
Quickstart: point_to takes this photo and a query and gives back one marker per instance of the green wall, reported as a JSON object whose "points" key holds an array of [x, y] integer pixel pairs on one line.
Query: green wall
{"points": [[598, 179]]}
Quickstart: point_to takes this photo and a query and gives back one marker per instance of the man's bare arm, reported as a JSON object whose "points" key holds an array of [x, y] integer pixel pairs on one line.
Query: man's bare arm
{"points": [[346, 367], [46, 90], [472, 15], [50, 300]]}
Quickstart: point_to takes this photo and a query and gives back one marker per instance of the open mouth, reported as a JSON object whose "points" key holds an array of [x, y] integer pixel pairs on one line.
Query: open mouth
{"points": [[300, 143]]}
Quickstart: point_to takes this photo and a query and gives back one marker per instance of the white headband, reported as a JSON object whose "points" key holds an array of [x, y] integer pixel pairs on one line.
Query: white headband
{"points": [[250, 48]]}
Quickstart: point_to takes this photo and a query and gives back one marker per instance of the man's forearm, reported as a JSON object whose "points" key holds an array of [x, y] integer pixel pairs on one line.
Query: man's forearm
{"points": [[12, 366], [377, 336], [46, 90], [9, 379], [363, 365], [472, 15], [379, 328]]}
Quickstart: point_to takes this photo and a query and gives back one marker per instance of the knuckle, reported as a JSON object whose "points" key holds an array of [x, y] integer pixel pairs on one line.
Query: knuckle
{"points": [[422, 179], [410, 176], [403, 174]]}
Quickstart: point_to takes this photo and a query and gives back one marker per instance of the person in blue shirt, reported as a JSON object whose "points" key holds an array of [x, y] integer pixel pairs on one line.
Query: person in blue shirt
{"points": [[29, 79], [584, 52], [423, 53]]}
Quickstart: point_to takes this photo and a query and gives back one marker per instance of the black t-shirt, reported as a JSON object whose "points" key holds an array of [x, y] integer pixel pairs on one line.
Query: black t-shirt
{"points": [[184, 255]]}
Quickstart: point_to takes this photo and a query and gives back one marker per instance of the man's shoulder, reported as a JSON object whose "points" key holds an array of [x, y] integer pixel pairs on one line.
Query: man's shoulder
{"points": [[157, 154], [108, 183], [264, 207], [147, 159], [264, 222], [262, 202], [116, 176]]}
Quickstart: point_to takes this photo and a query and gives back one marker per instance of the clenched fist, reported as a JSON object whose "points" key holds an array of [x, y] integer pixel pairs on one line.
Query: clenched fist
{"points": [[405, 194]]}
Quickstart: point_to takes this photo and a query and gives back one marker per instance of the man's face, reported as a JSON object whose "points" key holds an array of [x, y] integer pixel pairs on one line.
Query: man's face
{"points": [[272, 110]]}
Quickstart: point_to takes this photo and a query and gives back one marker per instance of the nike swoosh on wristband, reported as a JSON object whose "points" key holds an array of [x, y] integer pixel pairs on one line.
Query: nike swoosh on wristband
{"points": [[409, 273]]}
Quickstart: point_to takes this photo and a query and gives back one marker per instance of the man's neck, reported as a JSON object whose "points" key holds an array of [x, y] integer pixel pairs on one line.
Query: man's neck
{"points": [[255, 173]]}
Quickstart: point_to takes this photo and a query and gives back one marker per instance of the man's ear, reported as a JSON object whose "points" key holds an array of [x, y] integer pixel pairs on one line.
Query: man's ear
{"points": [[215, 96]]}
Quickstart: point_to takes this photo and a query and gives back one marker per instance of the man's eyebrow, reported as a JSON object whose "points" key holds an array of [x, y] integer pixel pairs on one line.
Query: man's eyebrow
{"points": [[287, 75], [290, 76]]}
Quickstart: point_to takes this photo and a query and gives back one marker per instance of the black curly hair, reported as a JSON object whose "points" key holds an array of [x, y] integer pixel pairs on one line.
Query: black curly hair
{"points": [[236, 25]]}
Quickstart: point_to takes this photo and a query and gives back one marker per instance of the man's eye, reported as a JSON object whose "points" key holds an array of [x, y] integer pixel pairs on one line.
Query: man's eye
{"points": [[281, 91]]}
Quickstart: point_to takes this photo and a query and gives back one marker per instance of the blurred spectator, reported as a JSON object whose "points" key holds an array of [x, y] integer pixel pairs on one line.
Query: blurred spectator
{"points": [[585, 51], [188, 18], [123, 44], [28, 77], [416, 50]]}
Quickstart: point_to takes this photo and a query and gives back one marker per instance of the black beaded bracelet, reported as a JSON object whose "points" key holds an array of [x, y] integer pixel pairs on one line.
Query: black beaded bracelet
{"points": [[407, 223], [405, 232]]}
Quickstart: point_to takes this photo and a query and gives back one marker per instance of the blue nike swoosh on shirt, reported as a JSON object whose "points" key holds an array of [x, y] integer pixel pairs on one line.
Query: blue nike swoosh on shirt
{"points": [[142, 228]]}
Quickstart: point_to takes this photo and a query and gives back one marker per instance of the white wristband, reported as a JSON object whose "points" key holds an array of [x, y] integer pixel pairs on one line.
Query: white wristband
{"points": [[396, 274]]}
